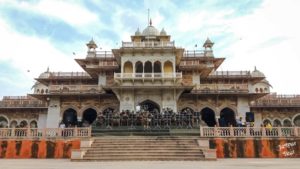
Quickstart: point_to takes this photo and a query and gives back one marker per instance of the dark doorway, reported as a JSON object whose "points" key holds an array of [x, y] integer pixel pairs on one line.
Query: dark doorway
{"points": [[148, 67], [89, 115], [208, 116], [227, 118], [70, 117], [157, 67], [150, 106], [139, 67]]}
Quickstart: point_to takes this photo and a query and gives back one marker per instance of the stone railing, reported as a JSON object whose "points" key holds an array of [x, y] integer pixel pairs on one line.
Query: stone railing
{"points": [[147, 44], [75, 89], [249, 132], [32, 133], [59, 75], [277, 101], [230, 74], [175, 75], [221, 88]]}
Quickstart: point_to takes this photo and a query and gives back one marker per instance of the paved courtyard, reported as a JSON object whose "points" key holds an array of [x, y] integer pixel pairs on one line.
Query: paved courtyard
{"points": [[220, 164]]}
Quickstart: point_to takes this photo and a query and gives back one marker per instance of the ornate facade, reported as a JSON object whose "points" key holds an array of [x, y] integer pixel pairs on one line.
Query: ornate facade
{"points": [[153, 74]]}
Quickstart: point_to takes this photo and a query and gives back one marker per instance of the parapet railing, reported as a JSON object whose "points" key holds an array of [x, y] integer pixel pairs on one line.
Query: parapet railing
{"points": [[35, 133], [148, 44], [249, 132], [75, 88], [47, 75]]}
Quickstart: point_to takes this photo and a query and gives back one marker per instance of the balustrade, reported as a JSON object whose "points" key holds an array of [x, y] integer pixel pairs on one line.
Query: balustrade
{"points": [[29, 133], [147, 75], [249, 132]]}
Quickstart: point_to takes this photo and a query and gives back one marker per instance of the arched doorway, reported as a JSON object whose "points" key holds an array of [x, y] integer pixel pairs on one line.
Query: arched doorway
{"points": [[208, 116], [70, 117], [3, 122], [227, 118], [128, 68], [148, 67], [157, 67], [150, 106], [138, 67], [89, 116]]}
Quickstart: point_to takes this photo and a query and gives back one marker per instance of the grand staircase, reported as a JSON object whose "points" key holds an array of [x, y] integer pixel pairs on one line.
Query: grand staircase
{"points": [[158, 148]]}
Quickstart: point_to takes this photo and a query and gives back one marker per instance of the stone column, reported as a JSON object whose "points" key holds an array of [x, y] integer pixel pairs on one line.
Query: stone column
{"points": [[53, 115]]}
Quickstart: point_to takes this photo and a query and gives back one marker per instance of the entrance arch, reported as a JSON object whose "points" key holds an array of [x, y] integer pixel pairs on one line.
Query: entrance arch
{"points": [[208, 116], [227, 118], [149, 105], [89, 115], [70, 117]]}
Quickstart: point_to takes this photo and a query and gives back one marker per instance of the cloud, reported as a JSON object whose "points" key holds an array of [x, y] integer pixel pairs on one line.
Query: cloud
{"points": [[38, 34]]}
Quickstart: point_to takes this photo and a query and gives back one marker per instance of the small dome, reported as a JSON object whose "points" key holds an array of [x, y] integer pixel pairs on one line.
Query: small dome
{"points": [[137, 32], [208, 43], [257, 73], [150, 31], [163, 32]]}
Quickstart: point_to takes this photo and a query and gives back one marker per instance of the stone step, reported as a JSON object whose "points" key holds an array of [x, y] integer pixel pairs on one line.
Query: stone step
{"points": [[148, 150], [145, 158], [144, 154]]}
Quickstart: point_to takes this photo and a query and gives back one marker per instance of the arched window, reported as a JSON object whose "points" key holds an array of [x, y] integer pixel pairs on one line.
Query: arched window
{"points": [[23, 124], [148, 67], [168, 67], [276, 123], [139, 67], [157, 67], [33, 124], [128, 68], [297, 121], [287, 123], [3, 122], [13, 124], [266, 121]]}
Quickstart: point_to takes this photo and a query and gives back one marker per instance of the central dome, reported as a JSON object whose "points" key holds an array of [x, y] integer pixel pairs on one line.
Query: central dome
{"points": [[150, 31]]}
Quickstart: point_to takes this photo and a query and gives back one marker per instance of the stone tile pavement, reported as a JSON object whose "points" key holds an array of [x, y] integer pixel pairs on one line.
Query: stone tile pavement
{"points": [[219, 164]]}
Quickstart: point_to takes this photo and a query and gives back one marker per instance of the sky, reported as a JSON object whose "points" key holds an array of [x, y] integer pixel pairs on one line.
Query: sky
{"points": [[37, 34]]}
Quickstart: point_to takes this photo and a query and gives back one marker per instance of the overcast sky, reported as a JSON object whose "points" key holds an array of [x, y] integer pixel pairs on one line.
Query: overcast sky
{"points": [[37, 34]]}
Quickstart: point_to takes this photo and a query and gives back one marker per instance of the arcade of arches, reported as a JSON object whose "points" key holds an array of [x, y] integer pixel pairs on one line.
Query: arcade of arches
{"points": [[148, 67]]}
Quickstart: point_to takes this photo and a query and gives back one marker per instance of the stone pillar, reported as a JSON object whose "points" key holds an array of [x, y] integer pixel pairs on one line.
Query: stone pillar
{"points": [[42, 121], [242, 107], [102, 79], [53, 115]]}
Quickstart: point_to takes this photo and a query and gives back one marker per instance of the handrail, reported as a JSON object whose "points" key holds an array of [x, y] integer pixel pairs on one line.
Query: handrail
{"points": [[249, 132], [32, 133]]}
